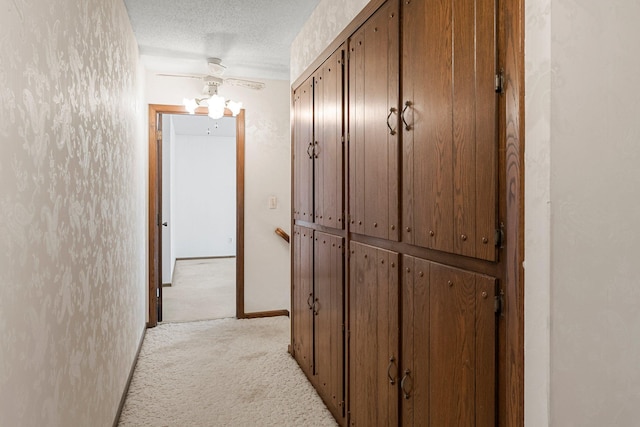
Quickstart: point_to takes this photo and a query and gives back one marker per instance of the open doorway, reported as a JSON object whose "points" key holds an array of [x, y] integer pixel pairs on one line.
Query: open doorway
{"points": [[156, 221], [198, 217]]}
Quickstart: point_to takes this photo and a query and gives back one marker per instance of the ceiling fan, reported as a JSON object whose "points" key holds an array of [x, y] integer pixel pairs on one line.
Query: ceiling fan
{"points": [[215, 79]]}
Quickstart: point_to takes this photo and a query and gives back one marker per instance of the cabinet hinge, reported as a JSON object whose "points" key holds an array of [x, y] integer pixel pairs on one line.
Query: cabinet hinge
{"points": [[499, 83], [499, 236], [499, 302]]}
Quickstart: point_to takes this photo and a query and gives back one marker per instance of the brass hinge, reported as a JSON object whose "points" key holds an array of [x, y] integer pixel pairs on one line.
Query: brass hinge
{"points": [[499, 302], [499, 83], [499, 236]]}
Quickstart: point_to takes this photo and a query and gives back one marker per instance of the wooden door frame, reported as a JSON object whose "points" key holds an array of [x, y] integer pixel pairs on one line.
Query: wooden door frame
{"points": [[154, 110]]}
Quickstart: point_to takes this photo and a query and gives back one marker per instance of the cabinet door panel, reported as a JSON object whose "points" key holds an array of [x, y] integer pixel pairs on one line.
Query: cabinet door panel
{"points": [[450, 148], [328, 105], [374, 150], [303, 157], [302, 316], [449, 339], [329, 318], [373, 338]]}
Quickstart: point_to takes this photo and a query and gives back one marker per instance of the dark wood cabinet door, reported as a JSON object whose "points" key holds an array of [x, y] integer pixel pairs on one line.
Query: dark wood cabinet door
{"points": [[373, 336], [303, 152], [328, 148], [450, 140], [302, 310], [374, 125], [329, 319], [448, 346]]}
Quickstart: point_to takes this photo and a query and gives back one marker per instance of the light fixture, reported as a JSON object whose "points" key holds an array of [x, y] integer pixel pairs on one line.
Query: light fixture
{"points": [[215, 103]]}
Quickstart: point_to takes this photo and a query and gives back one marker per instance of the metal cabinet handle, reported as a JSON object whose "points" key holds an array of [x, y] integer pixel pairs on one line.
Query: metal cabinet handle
{"points": [[407, 104], [315, 153], [407, 376], [315, 308], [392, 110], [309, 148], [392, 379], [309, 301]]}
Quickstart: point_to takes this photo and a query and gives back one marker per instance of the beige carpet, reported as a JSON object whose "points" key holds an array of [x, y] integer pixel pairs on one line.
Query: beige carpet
{"points": [[227, 372], [202, 289]]}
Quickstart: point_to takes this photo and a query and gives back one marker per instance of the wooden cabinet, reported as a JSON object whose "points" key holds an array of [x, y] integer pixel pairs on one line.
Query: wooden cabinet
{"points": [[328, 311], [373, 125], [303, 145], [302, 298], [449, 328], [318, 146], [450, 142], [328, 149], [373, 336]]}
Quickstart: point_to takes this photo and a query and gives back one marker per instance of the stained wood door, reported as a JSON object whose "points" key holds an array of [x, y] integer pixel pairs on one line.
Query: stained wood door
{"points": [[328, 310], [450, 118], [373, 336], [373, 125], [303, 152], [302, 316], [328, 144], [448, 346]]}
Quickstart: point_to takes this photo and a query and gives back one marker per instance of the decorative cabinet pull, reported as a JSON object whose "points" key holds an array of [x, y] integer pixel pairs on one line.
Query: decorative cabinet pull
{"points": [[309, 148], [403, 384], [315, 307], [392, 379], [315, 153], [392, 110], [407, 126], [309, 301]]}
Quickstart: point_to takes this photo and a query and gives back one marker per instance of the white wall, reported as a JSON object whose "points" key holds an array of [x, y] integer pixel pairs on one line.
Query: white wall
{"points": [[582, 291], [267, 172], [72, 209], [204, 218]]}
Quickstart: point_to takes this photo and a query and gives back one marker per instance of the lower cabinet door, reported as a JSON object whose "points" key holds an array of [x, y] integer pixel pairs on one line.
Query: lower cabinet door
{"points": [[373, 336], [448, 376], [329, 320], [302, 309]]}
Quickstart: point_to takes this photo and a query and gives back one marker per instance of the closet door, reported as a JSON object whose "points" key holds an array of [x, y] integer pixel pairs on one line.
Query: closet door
{"points": [[449, 133], [328, 148], [448, 346], [373, 125], [302, 316], [329, 319], [373, 337], [303, 152]]}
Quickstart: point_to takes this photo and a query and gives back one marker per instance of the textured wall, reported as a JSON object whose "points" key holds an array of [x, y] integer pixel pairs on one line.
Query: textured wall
{"points": [[71, 211], [595, 213], [267, 172], [325, 23]]}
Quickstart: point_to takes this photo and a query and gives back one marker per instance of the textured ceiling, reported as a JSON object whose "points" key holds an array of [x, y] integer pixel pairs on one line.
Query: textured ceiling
{"points": [[251, 37]]}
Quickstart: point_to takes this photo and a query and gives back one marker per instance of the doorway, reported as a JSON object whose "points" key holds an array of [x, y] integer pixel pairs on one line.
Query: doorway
{"points": [[155, 219]]}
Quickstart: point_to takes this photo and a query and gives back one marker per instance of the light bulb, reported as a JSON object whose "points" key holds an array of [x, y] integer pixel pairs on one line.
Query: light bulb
{"points": [[190, 105]]}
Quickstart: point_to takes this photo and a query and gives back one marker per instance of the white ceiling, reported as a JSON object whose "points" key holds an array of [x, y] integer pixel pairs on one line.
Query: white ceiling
{"points": [[251, 37]]}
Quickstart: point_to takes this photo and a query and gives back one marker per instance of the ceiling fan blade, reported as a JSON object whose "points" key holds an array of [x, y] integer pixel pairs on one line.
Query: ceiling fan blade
{"points": [[188, 76], [251, 84]]}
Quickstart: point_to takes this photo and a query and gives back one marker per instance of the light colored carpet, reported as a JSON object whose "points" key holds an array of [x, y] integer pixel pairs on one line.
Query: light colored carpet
{"points": [[225, 372], [202, 289]]}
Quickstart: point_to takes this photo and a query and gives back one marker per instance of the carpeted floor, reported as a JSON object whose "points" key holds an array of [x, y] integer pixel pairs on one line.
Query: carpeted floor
{"points": [[202, 289], [225, 372]]}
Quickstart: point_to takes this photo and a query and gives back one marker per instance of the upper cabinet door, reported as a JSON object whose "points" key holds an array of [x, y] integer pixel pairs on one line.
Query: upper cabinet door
{"points": [[303, 152], [328, 144], [374, 125], [449, 114]]}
